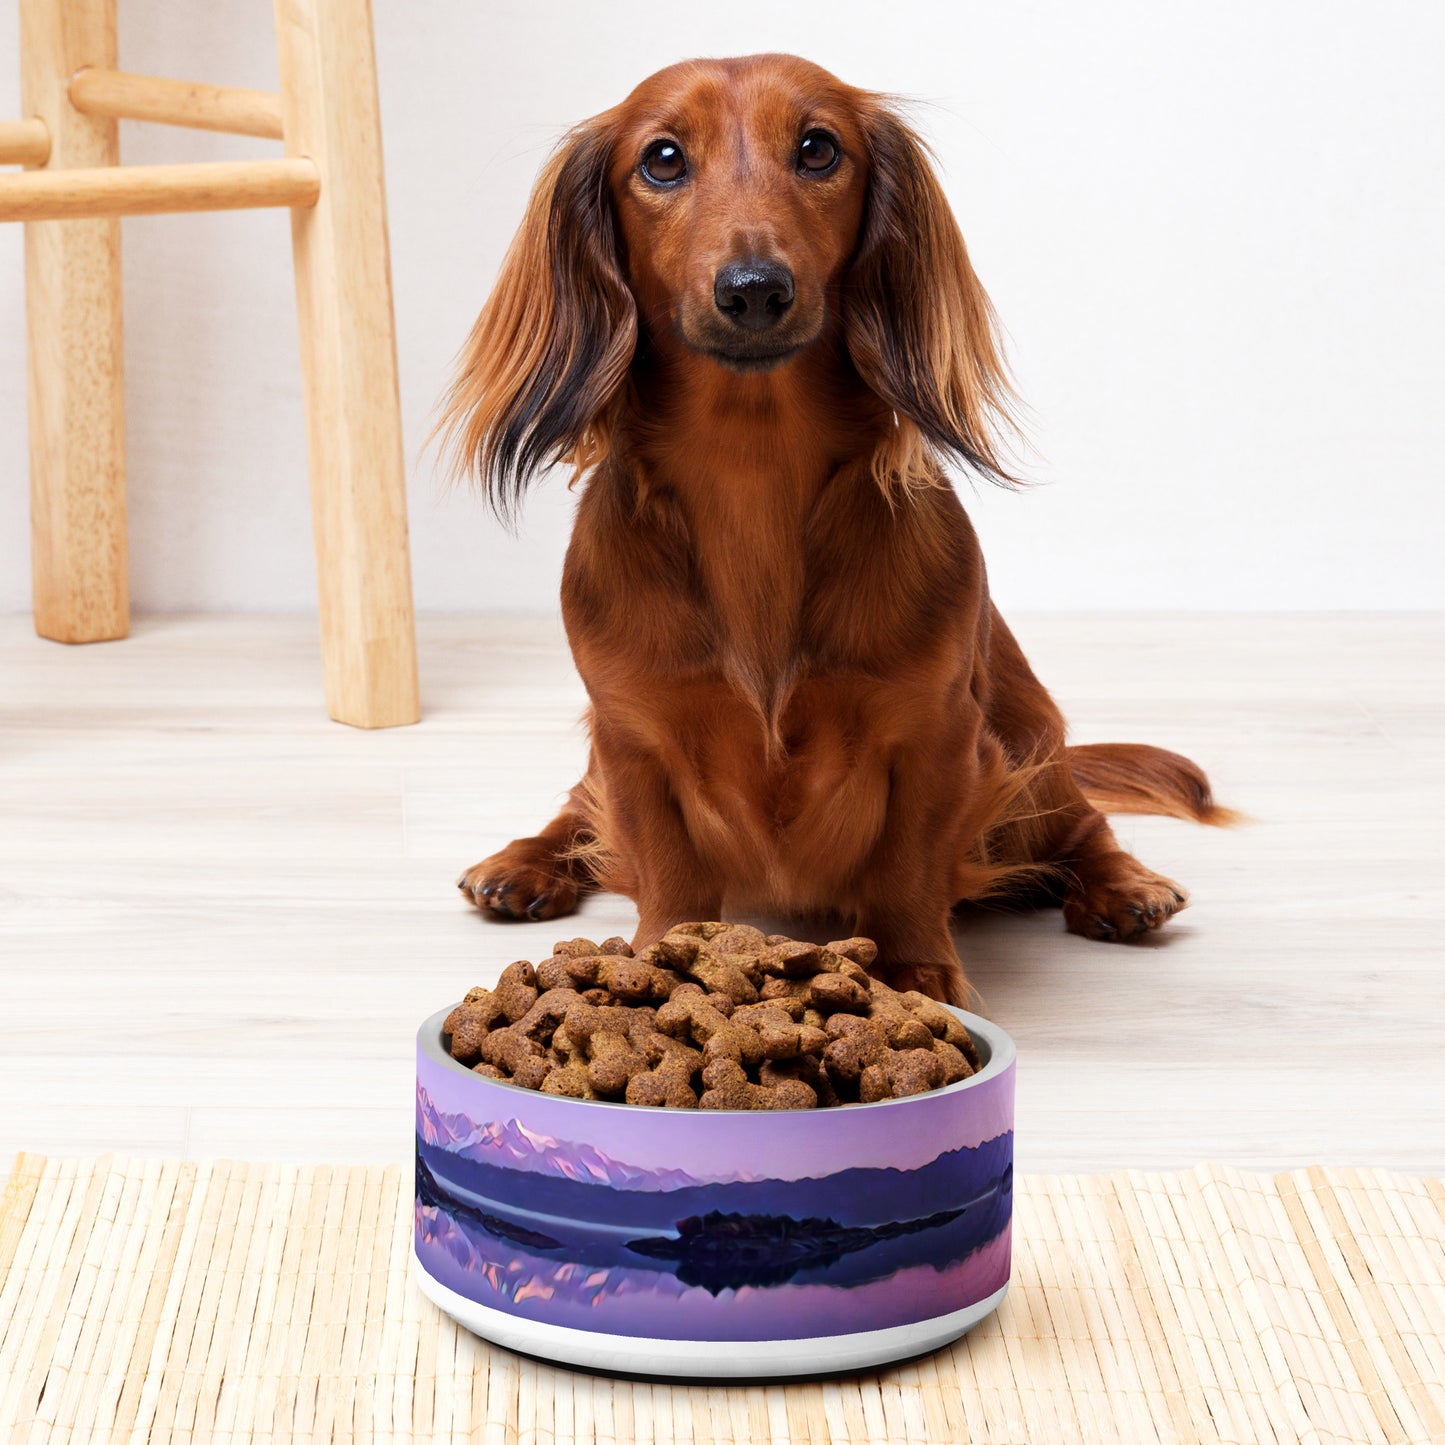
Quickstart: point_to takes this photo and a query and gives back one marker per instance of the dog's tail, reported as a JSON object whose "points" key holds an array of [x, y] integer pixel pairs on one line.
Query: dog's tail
{"points": [[1135, 778]]}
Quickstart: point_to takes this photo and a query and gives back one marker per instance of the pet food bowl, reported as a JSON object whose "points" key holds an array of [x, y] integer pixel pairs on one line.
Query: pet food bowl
{"points": [[700, 1243]]}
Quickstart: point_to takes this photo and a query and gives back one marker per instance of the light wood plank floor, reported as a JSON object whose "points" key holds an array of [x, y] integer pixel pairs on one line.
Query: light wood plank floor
{"points": [[222, 916]]}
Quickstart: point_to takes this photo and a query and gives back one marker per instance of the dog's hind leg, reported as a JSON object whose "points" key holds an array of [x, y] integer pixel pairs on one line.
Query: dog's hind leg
{"points": [[1106, 892], [1112, 896], [539, 877]]}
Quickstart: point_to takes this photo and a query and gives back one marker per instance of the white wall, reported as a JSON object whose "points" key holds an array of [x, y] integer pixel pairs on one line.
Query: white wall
{"points": [[1214, 232]]}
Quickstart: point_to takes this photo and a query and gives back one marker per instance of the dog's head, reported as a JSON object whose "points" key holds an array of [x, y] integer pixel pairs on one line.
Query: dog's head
{"points": [[730, 214]]}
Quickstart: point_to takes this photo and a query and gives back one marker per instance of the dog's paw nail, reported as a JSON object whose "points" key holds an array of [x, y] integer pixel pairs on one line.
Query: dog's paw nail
{"points": [[1105, 928], [487, 890], [535, 907], [1176, 895]]}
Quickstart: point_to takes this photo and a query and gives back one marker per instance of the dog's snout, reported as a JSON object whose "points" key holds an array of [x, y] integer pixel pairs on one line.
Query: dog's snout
{"points": [[754, 294]]}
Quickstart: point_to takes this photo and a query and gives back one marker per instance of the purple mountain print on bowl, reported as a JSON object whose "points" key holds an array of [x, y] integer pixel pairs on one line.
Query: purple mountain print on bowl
{"points": [[509, 1144]]}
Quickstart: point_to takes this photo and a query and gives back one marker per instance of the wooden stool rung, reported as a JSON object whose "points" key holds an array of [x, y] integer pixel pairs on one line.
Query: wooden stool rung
{"points": [[122, 96], [24, 142], [62, 195]]}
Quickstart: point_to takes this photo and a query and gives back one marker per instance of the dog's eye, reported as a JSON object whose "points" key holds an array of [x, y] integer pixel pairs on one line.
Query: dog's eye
{"points": [[818, 152], [664, 162]]}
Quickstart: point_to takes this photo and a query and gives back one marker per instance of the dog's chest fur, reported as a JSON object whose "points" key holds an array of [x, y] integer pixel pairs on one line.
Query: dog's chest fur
{"points": [[775, 658]]}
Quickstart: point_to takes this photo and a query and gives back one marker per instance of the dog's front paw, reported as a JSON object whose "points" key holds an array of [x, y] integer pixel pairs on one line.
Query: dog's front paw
{"points": [[1116, 899], [513, 885]]}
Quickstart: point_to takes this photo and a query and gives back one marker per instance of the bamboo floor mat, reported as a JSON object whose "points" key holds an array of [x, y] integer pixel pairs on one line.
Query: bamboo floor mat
{"points": [[158, 1300]]}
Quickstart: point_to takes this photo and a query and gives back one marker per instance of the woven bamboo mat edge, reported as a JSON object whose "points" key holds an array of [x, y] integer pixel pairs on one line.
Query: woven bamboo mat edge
{"points": [[153, 1300]]}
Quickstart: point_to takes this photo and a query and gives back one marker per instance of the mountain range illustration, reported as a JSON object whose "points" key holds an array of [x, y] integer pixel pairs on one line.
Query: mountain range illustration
{"points": [[507, 1171], [507, 1144]]}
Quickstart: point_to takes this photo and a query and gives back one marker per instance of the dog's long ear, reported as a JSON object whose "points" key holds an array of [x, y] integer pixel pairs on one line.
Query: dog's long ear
{"points": [[548, 353], [919, 325]]}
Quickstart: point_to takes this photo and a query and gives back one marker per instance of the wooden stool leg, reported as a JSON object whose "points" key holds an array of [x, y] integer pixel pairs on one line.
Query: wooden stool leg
{"points": [[72, 296], [348, 359]]}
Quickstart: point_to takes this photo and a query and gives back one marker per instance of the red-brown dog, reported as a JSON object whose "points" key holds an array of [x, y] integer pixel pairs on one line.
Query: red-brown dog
{"points": [[740, 305]]}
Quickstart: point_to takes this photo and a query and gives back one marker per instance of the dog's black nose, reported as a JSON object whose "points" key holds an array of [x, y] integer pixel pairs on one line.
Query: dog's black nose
{"points": [[755, 294]]}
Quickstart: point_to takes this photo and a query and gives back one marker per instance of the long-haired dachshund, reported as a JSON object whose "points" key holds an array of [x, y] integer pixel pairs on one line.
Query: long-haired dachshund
{"points": [[740, 307]]}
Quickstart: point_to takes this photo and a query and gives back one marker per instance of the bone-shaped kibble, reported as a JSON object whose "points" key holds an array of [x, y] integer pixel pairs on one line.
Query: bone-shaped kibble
{"points": [[899, 1074], [569, 1081], [739, 938], [654, 1045], [470, 1022], [691, 1017], [619, 947], [781, 1037], [856, 1044], [720, 1001], [541, 1020], [797, 960], [956, 1066], [575, 947], [604, 1034], [565, 1047], [743, 945], [705, 931], [584, 1019], [789, 1005], [807, 1069], [727, 1086], [522, 1058], [629, 980], [516, 989], [907, 1032], [776, 989], [862, 951], [940, 1023], [688, 955], [668, 1083], [902, 1028], [832, 993], [552, 973]]}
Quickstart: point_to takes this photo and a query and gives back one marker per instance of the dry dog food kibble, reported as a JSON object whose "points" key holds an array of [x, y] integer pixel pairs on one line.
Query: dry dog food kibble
{"points": [[712, 1016]]}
